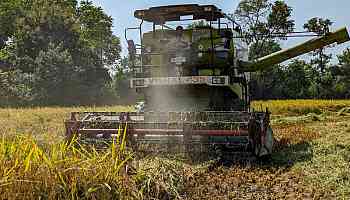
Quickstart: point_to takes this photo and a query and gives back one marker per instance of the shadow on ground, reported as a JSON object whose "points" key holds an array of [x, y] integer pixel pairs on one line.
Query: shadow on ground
{"points": [[284, 156]]}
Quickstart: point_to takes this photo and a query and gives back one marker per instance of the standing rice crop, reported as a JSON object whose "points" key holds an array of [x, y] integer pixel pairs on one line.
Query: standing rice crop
{"points": [[301, 107], [65, 170]]}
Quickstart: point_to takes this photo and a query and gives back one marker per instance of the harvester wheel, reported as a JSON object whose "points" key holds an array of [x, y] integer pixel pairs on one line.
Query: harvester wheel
{"points": [[264, 149]]}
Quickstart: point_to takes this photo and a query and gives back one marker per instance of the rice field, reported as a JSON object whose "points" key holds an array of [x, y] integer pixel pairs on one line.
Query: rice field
{"points": [[311, 160], [301, 107]]}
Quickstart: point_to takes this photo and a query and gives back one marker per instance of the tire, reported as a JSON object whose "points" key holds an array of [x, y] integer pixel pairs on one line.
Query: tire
{"points": [[265, 149]]}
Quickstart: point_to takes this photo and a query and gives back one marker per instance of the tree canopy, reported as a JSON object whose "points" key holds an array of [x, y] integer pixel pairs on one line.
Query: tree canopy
{"points": [[264, 22], [65, 49]]}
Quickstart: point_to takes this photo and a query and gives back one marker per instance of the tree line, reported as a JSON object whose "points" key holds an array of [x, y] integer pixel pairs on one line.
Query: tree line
{"points": [[56, 53], [63, 52]]}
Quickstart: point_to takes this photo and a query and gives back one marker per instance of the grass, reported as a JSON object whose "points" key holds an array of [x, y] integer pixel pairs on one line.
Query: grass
{"points": [[311, 160]]}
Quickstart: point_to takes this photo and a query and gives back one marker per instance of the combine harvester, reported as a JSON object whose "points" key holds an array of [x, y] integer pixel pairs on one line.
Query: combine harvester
{"points": [[194, 81]]}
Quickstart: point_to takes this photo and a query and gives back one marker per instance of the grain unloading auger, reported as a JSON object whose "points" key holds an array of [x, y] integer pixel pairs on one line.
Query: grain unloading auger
{"points": [[194, 82]]}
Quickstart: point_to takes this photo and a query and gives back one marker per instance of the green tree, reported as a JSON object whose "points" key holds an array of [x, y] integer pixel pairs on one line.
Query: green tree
{"points": [[344, 60], [80, 35], [42, 23], [55, 76], [9, 11], [263, 22], [298, 76], [263, 82], [320, 26], [342, 73], [324, 80], [96, 29], [121, 78], [99, 50], [15, 88], [271, 47]]}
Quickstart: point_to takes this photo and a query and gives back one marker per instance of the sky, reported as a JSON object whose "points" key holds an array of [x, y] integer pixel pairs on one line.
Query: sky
{"points": [[337, 11]]}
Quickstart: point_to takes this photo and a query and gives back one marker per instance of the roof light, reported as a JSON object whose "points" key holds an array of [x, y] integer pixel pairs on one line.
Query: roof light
{"points": [[140, 13], [208, 9]]}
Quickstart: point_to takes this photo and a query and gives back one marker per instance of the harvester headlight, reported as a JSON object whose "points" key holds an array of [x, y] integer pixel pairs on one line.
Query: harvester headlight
{"points": [[200, 47], [218, 80]]}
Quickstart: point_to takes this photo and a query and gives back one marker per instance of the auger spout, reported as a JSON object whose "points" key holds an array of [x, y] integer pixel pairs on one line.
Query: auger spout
{"points": [[340, 36]]}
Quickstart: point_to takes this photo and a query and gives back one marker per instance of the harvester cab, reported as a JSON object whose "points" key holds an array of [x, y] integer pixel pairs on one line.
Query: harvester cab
{"points": [[189, 61], [192, 70]]}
